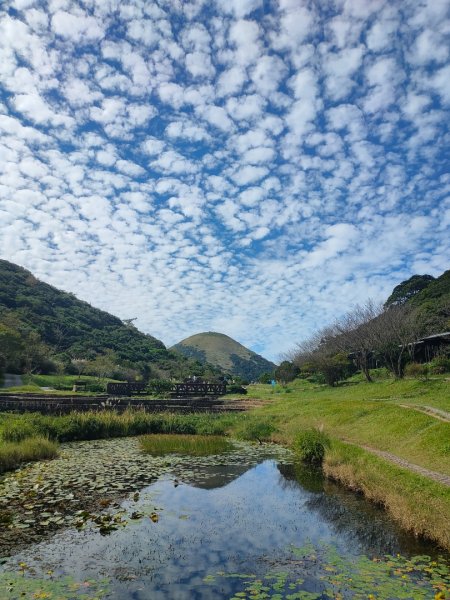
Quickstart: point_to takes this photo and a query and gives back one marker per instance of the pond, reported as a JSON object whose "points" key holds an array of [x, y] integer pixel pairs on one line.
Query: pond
{"points": [[106, 520]]}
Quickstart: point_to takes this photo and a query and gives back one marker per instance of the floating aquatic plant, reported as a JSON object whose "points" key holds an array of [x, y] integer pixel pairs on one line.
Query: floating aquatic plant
{"points": [[319, 573], [21, 584]]}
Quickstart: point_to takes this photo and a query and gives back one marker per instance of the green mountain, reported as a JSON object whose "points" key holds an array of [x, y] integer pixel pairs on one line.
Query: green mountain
{"points": [[43, 324], [225, 353]]}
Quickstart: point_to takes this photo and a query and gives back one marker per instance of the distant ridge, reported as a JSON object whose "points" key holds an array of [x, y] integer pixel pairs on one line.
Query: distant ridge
{"points": [[222, 351]]}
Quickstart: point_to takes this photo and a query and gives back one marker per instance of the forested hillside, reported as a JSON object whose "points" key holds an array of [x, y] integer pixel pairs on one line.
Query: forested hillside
{"points": [[41, 325], [429, 295]]}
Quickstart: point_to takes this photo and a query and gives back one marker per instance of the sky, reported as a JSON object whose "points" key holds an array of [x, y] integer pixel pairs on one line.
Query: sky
{"points": [[253, 167]]}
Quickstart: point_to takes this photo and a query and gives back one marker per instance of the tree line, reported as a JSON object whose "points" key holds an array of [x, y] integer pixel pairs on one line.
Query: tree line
{"points": [[368, 336]]}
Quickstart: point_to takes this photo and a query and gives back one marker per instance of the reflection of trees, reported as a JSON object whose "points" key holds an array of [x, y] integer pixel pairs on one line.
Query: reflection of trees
{"points": [[350, 514], [310, 478]]}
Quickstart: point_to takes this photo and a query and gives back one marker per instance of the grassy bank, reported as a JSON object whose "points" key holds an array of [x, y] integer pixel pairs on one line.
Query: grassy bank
{"points": [[381, 415], [416, 503]]}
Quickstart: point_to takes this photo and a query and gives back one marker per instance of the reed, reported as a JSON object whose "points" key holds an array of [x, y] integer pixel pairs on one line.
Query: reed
{"points": [[12, 454]]}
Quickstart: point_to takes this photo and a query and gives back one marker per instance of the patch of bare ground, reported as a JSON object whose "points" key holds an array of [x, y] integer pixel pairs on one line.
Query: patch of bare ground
{"points": [[437, 413]]}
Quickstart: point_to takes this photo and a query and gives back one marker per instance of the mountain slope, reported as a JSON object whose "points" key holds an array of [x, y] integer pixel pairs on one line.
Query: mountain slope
{"points": [[72, 328], [222, 351], [430, 295]]}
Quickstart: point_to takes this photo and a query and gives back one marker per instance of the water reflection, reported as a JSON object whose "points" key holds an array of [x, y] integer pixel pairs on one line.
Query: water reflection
{"points": [[233, 516], [352, 516]]}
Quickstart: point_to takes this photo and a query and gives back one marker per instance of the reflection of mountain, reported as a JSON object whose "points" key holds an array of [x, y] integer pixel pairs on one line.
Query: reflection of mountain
{"points": [[350, 514], [214, 476]]}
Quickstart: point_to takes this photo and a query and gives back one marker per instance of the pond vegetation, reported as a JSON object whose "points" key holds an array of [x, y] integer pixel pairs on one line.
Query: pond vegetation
{"points": [[192, 445]]}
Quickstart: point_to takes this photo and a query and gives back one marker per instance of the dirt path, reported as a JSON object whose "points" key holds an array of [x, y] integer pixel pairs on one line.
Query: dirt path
{"points": [[434, 475], [12, 380], [437, 413]]}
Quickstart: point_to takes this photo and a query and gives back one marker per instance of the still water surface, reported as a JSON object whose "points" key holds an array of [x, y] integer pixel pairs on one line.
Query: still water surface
{"points": [[241, 512]]}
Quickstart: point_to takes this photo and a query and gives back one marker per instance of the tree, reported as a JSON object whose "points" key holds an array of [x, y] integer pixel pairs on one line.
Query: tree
{"points": [[79, 364], [353, 335], [35, 354], [11, 348], [104, 365], [286, 372], [265, 378], [394, 334]]}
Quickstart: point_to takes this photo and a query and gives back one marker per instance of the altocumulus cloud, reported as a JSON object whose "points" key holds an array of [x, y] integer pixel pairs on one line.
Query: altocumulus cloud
{"points": [[247, 166]]}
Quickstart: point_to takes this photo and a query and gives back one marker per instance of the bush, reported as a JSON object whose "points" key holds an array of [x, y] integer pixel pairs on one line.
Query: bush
{"points": [[17, 432], [95, 387], [236, 389], [35, 448], [160, 387], [417, 371], [440, 365], [256, 430], [310, 445]]}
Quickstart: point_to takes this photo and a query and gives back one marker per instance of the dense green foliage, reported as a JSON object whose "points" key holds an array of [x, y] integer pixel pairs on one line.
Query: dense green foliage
{"points": [[404, 291], [286, 372], [311, 444], [225, 353], [41, 326], [430, 295]]}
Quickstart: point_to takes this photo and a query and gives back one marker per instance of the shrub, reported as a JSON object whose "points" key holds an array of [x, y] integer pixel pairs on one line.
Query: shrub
{"points": [[95, 387], [36, 448], [192, 445], [417, 371], [257, 430], [17, 431], [236, 389], [160, 387], [440, 364], [310, 445]]}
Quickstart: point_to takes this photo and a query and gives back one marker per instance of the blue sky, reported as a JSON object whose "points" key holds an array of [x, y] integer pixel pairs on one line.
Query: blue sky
{"points": [[253, 167]]}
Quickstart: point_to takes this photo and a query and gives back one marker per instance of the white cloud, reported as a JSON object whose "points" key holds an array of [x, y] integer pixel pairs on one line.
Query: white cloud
{"points": [[231, 81], [239, 8], [249, 174], [216, 116], [34, 107], [244, 36], [440, 81], [76, 27], [199, 64]]}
